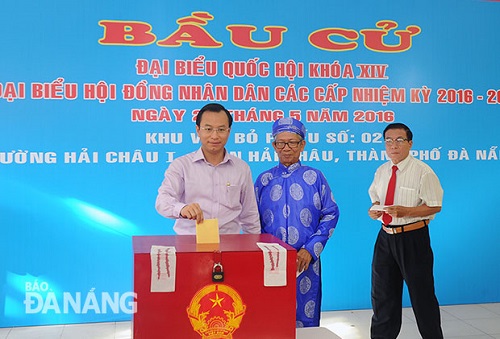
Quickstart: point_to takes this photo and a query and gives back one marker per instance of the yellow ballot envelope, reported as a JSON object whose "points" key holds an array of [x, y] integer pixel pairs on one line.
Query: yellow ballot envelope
{"points": [[207, 232]]}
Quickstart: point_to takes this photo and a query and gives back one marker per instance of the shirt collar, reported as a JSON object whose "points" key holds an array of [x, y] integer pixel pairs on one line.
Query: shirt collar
{"points": [[198, 156], [403, 164], [290, 169]]}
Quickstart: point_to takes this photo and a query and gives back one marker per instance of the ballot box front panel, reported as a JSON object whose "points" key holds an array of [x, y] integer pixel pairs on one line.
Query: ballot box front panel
{"points": [[239, 307]]}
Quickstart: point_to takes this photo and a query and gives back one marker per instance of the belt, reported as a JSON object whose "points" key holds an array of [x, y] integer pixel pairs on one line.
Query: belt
{"points": [[405, 228]]}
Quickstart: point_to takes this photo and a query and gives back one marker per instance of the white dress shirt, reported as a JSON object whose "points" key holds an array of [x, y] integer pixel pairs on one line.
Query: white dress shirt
{"points": [[416, 184]]}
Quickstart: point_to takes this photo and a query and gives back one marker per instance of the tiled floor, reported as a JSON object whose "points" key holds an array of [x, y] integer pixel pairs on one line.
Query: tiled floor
{"points": [[478, 321]]}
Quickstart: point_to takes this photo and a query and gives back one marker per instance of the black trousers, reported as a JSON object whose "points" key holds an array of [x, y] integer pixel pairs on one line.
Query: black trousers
{"points": [[404, 257]]}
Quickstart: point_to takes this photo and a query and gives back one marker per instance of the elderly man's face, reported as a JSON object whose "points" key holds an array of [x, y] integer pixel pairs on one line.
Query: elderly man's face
{"points": [[397, 145], [288, 146]]}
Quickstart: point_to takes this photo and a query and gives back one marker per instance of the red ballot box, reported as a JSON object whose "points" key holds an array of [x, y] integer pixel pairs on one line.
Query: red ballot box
{"points": [[238, 307]]}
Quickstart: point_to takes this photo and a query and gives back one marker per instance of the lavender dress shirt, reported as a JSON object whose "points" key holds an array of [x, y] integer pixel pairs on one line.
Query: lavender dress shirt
{"points": [[224, 191]]}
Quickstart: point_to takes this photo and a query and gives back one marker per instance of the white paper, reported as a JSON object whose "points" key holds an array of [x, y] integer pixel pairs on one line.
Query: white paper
{"points": [[381, 208], [163, 268], [275, 258]]}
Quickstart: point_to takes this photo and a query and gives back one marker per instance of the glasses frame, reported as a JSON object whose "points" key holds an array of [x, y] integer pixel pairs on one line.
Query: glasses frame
{"points": [[397, 141], [287, 144], [219, 131]]}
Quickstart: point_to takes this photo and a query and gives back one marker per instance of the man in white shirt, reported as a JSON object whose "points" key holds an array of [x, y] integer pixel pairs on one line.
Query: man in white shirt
{"points": [[402, 250], [210, 182]]}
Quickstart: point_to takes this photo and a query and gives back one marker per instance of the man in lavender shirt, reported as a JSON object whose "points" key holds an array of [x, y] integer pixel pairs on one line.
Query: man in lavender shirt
{"points": [[210, 182]]}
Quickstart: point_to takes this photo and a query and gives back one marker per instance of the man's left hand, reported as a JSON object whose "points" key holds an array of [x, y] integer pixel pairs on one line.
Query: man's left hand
{"points": [[303, 260], [398, 211]]}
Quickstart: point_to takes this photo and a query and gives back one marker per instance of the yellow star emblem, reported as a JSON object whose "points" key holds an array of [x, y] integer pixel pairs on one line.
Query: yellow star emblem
{"points": [[217, 300]]}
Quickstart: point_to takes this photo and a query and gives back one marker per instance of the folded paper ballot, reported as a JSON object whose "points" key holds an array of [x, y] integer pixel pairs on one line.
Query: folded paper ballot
{"points": [[207, 232], [381, 208]]}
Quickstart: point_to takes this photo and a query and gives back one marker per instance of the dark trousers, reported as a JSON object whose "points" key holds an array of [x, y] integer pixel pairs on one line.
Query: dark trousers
{"points": [[406, 256]]}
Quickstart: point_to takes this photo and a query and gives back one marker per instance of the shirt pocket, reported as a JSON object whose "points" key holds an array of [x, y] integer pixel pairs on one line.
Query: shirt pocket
{"points": [[232, 197], [408, 196]]}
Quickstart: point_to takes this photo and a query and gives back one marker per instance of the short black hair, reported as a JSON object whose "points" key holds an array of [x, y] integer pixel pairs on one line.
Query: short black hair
{"points": [[212, 107], [398, 125]]}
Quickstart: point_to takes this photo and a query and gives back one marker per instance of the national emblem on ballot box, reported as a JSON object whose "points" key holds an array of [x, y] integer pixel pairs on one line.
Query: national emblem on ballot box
{"points": [[216, 311]]}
